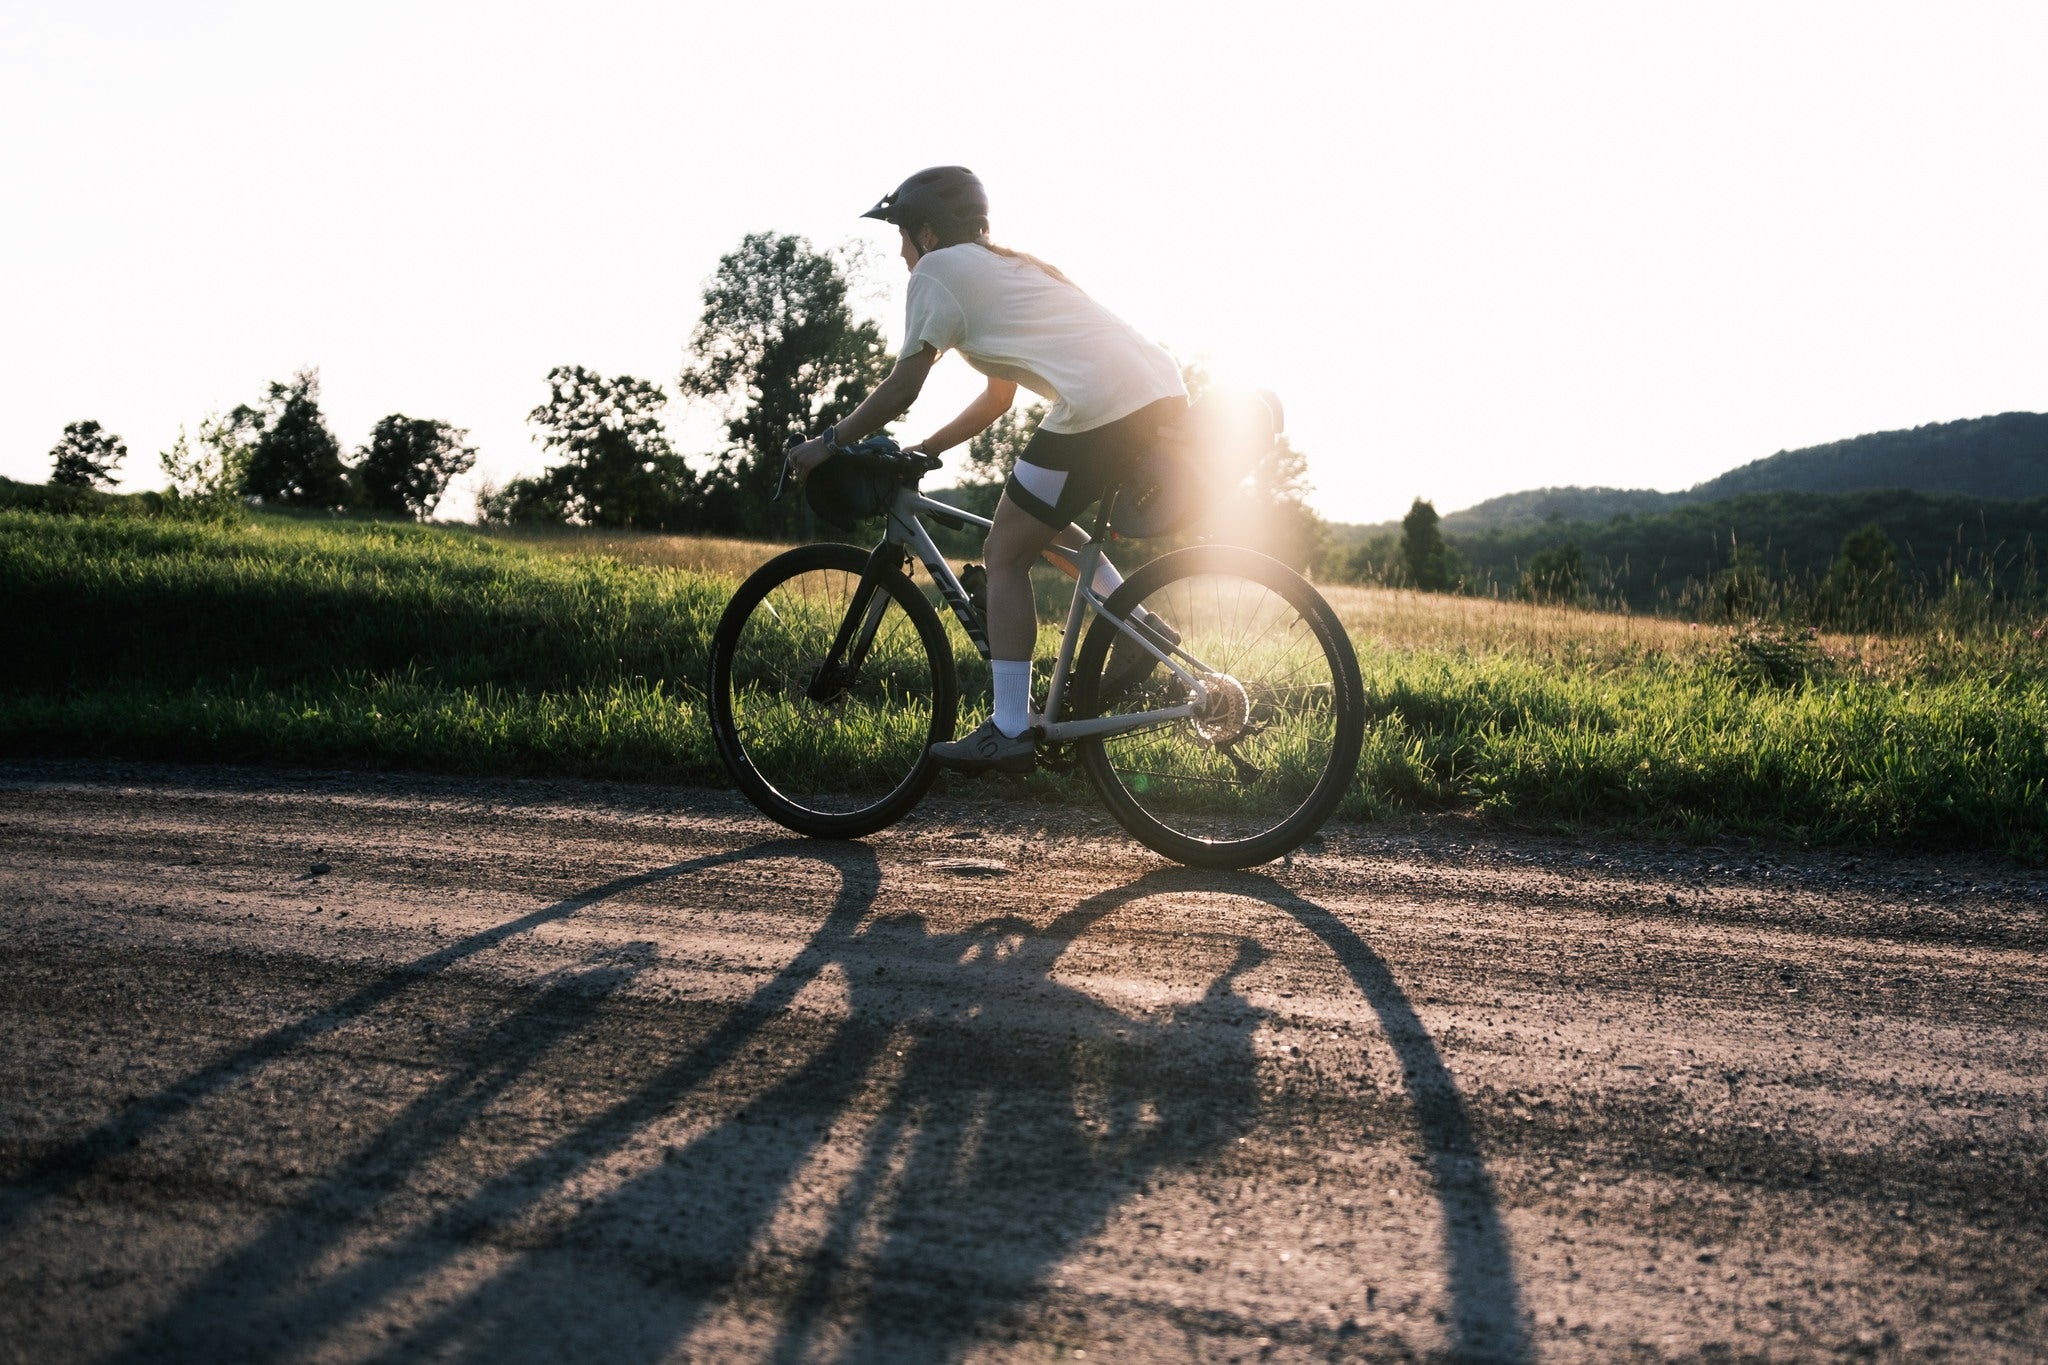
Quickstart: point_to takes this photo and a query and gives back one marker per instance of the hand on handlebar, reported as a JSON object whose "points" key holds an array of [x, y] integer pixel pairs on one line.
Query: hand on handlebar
{"points": [[802, 459]]}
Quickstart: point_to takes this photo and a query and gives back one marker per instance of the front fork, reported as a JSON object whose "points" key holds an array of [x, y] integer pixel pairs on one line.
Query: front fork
{"points": [[857, 630]]}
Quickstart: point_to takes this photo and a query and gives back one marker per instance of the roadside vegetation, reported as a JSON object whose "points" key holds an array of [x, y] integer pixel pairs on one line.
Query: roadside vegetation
{"points": [[1892, 530], [153, 628]]}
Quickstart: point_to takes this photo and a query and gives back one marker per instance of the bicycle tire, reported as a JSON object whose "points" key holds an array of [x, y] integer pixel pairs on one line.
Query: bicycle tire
{"points": [[1289, 707], [858, 761]]}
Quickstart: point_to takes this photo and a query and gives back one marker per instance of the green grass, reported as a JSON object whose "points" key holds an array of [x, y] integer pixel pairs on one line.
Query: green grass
{"points": [[338, 642], [1686, 746], [274, 640], [275, 603]]}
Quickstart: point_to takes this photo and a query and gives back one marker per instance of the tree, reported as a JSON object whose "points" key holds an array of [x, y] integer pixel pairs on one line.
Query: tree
{"points": [[295, 460], [779, 349], [1739, 591], [408, 464], [1429, 563], [535, 501], [993, 454], [214, 470], [1862, 588], [1266, 507], [616, 467], [1554, 574], [87, 455], [1288, 528], [1375, 559]]}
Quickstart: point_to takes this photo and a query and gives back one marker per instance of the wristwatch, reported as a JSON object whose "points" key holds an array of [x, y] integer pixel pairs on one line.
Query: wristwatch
{"points": [[831, 437]]}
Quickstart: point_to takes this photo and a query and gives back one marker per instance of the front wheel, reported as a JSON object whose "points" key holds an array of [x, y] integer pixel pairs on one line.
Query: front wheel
{"points": [[833, 746], [1276, 743]]}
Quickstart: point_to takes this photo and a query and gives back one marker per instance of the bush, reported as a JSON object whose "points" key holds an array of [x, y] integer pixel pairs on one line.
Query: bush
{"points": [[1554, 575], [69, 500], [1784, 659], [1862, 589]]}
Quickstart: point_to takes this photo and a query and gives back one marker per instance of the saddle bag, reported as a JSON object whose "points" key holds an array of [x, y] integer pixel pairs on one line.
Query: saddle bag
{"points": [[1193, 474]]}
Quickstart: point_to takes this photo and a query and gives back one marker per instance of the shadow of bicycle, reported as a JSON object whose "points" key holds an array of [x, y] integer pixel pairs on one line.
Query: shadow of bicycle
{"points": [[902, 1189]]}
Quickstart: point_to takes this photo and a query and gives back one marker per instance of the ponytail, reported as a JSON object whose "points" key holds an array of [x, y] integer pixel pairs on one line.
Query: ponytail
{"points": [[1013, 254], [975, 233]]}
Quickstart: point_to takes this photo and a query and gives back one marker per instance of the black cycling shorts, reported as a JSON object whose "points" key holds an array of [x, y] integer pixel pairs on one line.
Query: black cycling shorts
{"points": [[1059, 475]]}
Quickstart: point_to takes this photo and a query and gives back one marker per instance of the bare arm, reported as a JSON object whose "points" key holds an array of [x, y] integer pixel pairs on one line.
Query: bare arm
{"points": [[876, 411], [977, 417]]}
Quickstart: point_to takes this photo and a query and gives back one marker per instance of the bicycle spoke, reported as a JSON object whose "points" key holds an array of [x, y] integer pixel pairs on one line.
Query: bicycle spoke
{"points": [[1268, 749], [825, 750]]}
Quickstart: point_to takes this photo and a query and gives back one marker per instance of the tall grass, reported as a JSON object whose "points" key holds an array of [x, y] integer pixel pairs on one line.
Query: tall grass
{"points": [[269, 639], [348, 642], [1564, 716], [715, 555], [277, 602], [1694, 744]]}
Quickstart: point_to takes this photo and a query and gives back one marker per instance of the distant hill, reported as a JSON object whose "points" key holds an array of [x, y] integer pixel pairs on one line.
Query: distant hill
{"points": [[1538, 506], [1985, 457], [2001, 457], [1647, 560]]}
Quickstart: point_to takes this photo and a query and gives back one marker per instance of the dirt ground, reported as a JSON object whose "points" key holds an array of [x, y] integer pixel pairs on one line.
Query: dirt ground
{"points": [[345, 1067]]}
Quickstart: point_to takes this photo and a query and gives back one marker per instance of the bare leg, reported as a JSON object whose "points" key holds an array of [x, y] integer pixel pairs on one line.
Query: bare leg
{"points": [[1014, 543], [1073, 538]]}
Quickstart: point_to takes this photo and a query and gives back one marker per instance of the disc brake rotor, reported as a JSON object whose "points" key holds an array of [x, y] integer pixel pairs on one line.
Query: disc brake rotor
{"points": [[1225, 714]]}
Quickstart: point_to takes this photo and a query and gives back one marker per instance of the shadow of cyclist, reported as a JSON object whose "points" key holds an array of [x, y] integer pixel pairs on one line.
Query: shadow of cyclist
{"points": [[959, 1129], [241, 1307], [987, 1170], [71, 1162], [998, 1089], [269, 1292]]}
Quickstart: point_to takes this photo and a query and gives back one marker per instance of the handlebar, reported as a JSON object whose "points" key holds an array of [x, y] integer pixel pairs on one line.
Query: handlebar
{"points": [[877, 452]]}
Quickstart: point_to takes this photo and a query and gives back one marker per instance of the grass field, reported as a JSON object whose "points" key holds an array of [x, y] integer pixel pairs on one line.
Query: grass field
{"points": [[266, 639]]}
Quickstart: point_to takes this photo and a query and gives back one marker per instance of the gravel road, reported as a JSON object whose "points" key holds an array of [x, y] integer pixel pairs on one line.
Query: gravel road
{"points": [[326, 1067]]}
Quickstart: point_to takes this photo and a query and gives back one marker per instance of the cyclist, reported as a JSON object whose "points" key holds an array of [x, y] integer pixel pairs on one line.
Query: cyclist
{"points": [[1018, 321]]}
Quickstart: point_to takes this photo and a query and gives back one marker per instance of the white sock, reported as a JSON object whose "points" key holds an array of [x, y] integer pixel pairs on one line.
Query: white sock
{"points": [[1013, 695]]}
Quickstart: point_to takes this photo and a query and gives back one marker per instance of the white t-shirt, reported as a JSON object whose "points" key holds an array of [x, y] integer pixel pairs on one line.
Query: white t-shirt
{"points": [[1013, 321]]}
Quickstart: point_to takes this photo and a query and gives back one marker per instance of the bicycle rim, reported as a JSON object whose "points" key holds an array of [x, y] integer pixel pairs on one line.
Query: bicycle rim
{"points": [[1265, 763], [839, 757]]}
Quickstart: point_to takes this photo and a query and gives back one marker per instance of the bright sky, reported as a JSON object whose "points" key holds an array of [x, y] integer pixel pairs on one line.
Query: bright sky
{"points": [[1476, 247]]}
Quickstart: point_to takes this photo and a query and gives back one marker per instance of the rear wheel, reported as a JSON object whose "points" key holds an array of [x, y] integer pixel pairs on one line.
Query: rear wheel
{"points": [[835, 755], [1276, 745]]}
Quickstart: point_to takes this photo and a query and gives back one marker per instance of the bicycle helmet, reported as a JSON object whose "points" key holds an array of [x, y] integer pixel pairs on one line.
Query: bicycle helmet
{"points": [[950, 200]]}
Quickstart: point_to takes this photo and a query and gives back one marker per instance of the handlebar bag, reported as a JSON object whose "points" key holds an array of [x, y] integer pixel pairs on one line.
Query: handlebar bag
{"points": [[846, 490]]}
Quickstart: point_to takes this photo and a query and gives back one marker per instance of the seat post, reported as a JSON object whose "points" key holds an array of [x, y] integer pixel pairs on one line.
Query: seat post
{"points": [[1084, 579], [1104, 510]]}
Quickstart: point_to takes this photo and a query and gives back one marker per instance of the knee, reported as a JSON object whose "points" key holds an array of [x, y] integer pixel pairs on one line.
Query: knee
{"points": [[1006, 552], [1004, 561], [1071, 537]]}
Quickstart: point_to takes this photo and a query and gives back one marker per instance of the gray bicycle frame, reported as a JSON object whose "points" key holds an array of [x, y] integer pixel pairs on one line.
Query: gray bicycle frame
{"points": [[906, 530]]}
